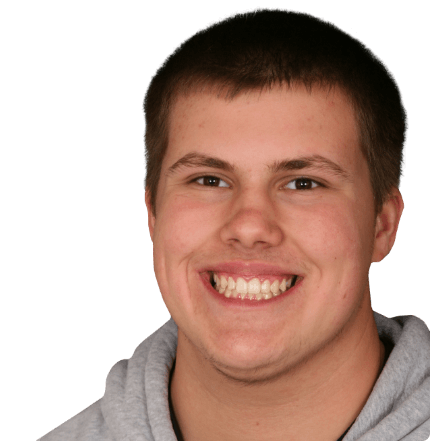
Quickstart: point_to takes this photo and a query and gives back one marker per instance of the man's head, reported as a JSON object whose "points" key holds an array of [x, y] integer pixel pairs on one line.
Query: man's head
{"points": [[261, 50], [263, 180], [266, 182]]}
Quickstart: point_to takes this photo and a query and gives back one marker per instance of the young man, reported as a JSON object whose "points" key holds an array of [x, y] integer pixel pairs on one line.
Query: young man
{"points": [[274, 146]]}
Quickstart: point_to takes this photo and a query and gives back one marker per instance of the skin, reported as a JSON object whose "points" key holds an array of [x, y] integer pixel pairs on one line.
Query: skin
{"points": [[303, 366]]}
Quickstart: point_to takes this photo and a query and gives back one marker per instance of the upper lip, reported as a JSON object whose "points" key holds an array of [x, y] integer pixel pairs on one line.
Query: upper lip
{"points": [[250, 269]]}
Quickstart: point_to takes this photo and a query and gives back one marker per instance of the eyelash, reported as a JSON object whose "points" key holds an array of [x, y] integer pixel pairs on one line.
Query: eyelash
{"points": [[315, 184]]}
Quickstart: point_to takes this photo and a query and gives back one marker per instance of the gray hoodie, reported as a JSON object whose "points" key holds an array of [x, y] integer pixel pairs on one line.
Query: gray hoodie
{"points": [[135, 406]]}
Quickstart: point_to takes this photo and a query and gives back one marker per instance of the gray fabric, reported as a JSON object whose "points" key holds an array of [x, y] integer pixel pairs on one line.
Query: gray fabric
{"points": [[399, 405], [135, 406]]}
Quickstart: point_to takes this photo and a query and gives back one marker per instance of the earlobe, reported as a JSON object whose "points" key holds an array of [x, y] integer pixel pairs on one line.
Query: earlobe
{"points": [[387, 222], [151, 217]]}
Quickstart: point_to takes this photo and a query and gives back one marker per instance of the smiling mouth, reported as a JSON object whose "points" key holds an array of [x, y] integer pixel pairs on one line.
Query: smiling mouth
{"points": [[232, 286]]}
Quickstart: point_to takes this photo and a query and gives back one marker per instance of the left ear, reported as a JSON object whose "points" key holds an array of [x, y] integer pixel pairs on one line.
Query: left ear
{"points": [[387, 222]]}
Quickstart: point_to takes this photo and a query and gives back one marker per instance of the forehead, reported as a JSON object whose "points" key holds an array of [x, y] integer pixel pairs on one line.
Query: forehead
{"points": [[265, 126]]}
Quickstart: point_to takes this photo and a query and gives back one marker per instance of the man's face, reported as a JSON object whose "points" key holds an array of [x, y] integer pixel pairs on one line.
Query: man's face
{"points": [[287, 196]]}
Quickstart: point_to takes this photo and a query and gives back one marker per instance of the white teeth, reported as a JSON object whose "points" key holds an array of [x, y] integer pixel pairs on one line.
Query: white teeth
{"points": [[252, 290], [283, 285], [254, 286], [274, 287], [241, 286], [265, 287]]}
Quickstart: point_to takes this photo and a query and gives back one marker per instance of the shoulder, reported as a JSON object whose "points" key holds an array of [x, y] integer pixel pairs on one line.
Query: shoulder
{"points": [[88, 425], [135, 389]]}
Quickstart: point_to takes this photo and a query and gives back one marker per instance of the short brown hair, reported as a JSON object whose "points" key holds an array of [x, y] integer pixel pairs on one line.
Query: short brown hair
{"points": [[261, 49]]}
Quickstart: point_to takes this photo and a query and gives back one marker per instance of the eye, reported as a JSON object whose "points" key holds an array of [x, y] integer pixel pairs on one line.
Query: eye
{"points": [[211, 181], [302, 184]]}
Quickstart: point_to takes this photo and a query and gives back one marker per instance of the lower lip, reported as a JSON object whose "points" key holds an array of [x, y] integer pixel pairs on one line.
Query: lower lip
{"points": [[234, 302]]}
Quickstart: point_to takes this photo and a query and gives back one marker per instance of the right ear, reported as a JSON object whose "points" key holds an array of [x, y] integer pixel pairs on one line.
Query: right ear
{"points": [[151, 217]]}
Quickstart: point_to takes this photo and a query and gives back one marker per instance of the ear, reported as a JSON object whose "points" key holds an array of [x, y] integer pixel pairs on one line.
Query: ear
{"points": [[387, 222], [151, 217]]}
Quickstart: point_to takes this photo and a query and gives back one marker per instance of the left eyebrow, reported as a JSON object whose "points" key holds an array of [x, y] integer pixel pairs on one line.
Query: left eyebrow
{"points": [[195, 159], [312, 162]]}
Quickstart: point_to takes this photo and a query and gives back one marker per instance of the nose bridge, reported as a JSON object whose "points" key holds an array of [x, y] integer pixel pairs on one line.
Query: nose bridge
{"points": [[252, 221]]}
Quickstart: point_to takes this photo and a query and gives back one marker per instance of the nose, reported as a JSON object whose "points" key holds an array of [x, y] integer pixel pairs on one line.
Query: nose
{"points": [[252, 223]]}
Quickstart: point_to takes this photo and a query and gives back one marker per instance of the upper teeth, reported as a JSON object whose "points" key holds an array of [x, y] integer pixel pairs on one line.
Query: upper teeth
{"points": [[252, 289]]}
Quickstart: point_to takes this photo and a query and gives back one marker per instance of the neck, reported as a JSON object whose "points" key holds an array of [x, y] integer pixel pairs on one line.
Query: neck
{"points": [[319, 399]]}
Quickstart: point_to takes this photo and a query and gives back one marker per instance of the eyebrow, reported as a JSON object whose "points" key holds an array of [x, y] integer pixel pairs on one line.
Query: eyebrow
{"points": [[312, 162], [194, 160]]}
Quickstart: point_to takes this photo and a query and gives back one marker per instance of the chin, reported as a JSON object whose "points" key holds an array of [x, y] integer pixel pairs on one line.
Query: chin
{"points": [[250, 371], [244, 360]]}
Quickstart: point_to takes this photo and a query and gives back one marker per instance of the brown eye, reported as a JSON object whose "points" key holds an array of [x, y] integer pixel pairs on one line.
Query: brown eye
{"points": [[302, 184], [211, 181]]}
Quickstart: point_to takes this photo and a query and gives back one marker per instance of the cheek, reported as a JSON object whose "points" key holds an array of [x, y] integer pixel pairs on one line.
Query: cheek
{"points": [[183, 231], [183, 226], [333, 242], [333, 235]]}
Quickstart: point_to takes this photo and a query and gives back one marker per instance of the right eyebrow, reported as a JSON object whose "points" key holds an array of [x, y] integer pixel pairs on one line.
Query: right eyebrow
{"points": [[195, 159]]}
